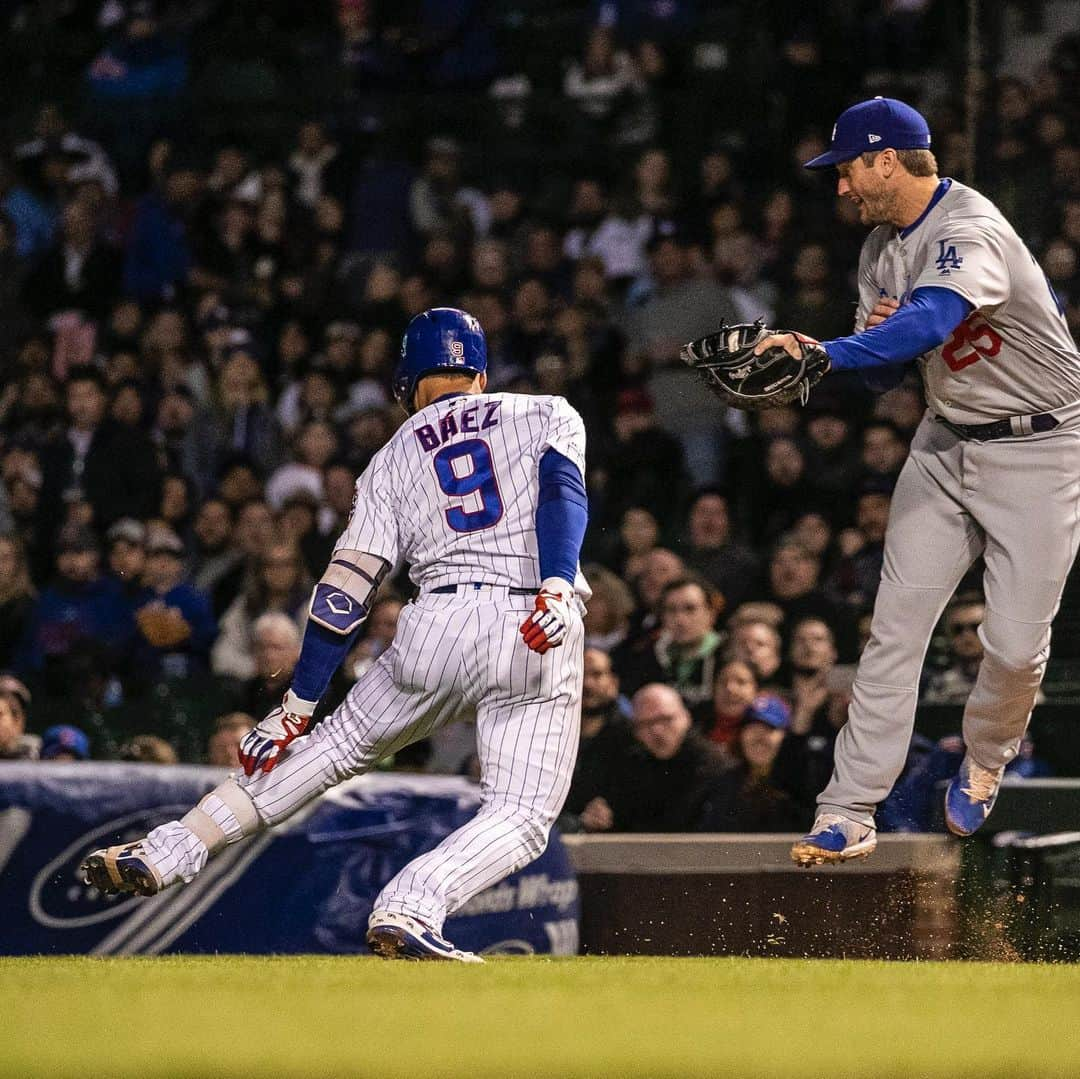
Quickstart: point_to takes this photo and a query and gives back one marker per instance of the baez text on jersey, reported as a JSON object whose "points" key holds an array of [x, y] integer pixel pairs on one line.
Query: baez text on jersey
{"points": [[471, 420]]}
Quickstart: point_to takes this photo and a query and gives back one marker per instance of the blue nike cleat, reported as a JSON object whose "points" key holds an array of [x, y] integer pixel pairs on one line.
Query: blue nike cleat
{"points": [[121, 869], [832, 840], [397, 936], [970, 797]]}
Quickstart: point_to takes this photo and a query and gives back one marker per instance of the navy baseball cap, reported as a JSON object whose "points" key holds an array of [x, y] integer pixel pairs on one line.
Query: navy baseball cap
{"points": [[878, 124]]}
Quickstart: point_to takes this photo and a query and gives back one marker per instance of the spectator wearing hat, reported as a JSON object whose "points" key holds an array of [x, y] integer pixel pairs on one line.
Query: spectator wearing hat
{"points": [[175, 626], [745, 799], [16, 597], [15, 743], [96, 460], [78, 606], [64, 743], [125, 555]]}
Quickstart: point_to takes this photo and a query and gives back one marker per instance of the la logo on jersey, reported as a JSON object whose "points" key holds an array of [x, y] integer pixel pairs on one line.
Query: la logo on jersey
{"points": [[947, 260]]}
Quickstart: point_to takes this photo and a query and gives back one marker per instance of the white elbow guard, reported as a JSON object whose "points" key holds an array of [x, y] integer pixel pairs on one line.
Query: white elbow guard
{"points": [[343, 596]]}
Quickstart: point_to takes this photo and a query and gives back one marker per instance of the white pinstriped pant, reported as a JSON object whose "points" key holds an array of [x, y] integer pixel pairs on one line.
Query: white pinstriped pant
{"points": [[454, 656]]}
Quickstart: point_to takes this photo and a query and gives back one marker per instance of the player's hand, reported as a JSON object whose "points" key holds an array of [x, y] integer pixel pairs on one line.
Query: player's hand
{"points": [[262, 746], [791, 343], [547, 625], [885, 307], [597, 816]]}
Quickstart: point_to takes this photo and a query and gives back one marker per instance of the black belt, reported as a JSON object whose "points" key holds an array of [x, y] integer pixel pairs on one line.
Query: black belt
{"points": [[987, 432], [446, 589]]}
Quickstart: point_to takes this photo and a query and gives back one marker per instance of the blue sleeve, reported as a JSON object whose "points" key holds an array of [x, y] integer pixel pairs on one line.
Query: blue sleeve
{"points": [[919, 326], [562, 512], [320, 656]]}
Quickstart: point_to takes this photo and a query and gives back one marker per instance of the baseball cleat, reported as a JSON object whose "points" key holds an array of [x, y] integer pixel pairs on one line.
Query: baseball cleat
{"points": [[832, 840], [970, 797], [397, 936], [121, 869]]}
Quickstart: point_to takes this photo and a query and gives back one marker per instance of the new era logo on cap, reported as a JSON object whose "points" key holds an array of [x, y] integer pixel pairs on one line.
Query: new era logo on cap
{"points": [[873, 138]]}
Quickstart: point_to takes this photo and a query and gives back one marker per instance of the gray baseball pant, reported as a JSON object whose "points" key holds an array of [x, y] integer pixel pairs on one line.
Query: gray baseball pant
{"points": [[1016, 502]]}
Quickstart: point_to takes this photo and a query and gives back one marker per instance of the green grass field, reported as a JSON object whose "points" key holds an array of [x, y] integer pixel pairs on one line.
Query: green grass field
{"points": [[328, 1017]]}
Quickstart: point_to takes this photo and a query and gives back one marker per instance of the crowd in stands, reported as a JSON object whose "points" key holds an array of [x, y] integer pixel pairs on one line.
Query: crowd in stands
{"points": [[198, 322]]}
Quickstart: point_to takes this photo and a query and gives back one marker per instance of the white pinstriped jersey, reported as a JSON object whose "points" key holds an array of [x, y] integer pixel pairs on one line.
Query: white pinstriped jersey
{"points": [[1013, 355], [454, 492]]}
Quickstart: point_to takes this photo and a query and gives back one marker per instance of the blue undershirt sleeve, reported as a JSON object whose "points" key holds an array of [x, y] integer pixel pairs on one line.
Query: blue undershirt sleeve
{"points": [[320, 656], [562, 512], [920, 325]]}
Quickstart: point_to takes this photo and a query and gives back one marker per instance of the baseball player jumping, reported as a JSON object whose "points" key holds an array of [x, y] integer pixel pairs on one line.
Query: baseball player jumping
{"points": [[994, 468], [482, 494]]}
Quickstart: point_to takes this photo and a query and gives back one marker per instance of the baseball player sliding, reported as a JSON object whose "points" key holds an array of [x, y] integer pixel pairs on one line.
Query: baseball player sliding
{"points": [[994, 468], [482, 494]]}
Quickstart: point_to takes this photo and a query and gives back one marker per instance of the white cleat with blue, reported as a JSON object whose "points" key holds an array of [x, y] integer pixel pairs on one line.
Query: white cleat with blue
{"points": [[834, 839], [970, 797], [397, 936]]}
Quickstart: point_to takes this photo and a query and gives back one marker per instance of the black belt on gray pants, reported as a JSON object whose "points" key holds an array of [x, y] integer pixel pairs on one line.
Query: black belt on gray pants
{"points": [[987, 432], [446, 589]]}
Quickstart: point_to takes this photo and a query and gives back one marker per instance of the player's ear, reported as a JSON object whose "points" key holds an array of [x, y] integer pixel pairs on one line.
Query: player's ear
{"points": [[481, 380]]}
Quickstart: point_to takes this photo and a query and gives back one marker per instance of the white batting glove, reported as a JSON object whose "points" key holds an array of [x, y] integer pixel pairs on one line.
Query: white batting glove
{"points": [[547, 625], [262, 747]]}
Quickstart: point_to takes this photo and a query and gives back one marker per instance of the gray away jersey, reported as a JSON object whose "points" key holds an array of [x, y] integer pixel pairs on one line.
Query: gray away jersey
{"points": [[1013, 355], [454, 492]]}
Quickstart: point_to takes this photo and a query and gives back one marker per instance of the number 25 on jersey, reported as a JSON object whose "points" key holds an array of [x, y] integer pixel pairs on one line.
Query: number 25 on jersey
{"points": [[973, 340], [466, 472]]}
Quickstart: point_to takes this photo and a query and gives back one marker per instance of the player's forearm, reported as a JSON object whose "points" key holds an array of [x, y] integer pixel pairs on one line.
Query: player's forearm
{"points": [[919, 326], [562, 514], [320, 656]]}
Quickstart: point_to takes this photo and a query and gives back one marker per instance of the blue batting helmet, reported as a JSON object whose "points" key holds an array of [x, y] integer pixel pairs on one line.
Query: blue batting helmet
{"points": [[440, 339]]}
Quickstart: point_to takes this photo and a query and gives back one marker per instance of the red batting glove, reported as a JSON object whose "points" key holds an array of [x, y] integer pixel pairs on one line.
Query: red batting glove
{"points": [[546, 627], [261, 748]]}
